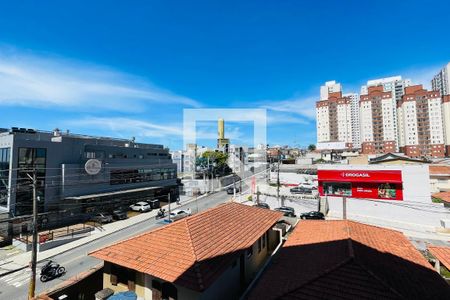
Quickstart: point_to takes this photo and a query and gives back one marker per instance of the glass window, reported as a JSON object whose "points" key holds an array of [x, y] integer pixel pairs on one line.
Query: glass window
{"points": [[337, 188], [387, 191], [30, 159], [4, 175]]}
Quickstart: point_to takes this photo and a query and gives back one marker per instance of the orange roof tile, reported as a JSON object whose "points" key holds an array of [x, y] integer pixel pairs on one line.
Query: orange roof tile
{"points": [[441, 253], [194, 251], [439, 170], [444, 196], [348, 260]]}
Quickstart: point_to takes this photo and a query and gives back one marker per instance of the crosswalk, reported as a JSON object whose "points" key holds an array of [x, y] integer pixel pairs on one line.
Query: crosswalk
{"points": [[16, 279]]}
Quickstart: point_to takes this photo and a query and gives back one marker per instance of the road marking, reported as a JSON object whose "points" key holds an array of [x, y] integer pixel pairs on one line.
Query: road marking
{"points": [[16, 279]]}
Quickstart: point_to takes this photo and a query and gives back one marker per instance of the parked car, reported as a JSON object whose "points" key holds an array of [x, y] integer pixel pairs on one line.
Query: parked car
{"points": [[262, 205], [312, 215], [154, 203], [178, 214], [300, 190], [141, 206], [230, 190], [119, 214], [286, 210], [102, 218], [307, 185]]}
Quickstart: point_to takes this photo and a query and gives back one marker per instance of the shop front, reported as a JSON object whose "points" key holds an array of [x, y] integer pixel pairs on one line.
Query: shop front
{"points": [[369, 184]]}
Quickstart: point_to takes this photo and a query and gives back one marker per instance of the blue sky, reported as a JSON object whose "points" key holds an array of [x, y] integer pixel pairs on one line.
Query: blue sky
{"points": [[123, 69]]}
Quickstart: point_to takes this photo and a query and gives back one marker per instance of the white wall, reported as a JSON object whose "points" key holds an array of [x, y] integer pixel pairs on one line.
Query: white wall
{"points": [[416, 183]]}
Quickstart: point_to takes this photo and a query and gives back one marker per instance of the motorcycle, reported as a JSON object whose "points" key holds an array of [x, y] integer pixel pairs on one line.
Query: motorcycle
{"points": [[51, 270], [161, 214]]}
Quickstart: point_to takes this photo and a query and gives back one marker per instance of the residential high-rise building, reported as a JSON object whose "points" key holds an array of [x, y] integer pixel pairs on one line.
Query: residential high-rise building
{"points": [[329, 88], [441, 81], [378, 132], [446, 121], [420, 119], [355, 119], [394, 84], [334, 119]]}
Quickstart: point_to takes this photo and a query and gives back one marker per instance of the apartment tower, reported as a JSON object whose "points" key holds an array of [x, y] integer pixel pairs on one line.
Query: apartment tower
{"points": [[441, 81], [420, 119], [334, 119], [377, 111]]}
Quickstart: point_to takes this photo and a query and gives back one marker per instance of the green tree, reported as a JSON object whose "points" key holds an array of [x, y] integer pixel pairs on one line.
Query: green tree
{"points": [[311, 147]]}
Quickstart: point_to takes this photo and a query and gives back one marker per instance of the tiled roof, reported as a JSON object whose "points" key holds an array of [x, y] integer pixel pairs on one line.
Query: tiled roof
{"points": [[348, 260], [442, 254], [444, 196], [439, 170], [194, 251]]}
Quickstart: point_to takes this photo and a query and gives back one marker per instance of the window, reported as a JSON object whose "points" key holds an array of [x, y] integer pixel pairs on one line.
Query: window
{"points": [[264, 240], [259, 245], [30, 159], [250, 252], [4, 175], [122, 275], [337, 188]]}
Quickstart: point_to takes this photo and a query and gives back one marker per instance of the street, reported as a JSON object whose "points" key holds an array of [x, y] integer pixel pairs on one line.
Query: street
{"points": [[15, 286]]}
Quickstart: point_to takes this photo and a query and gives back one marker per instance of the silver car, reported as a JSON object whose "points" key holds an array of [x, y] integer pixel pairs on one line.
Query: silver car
{"points": [[179, 214]]}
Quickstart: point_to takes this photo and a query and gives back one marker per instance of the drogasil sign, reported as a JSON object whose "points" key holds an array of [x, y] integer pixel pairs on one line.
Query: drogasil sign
{"points": [[355, 174]]}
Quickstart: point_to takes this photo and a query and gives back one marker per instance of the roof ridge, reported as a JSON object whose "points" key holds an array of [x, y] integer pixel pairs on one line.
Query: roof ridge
{"points": [[360, 264], [327, 271]]}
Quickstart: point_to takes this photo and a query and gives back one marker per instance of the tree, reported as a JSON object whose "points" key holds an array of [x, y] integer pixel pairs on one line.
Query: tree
{"points": [[217, 163], [311, 147]]}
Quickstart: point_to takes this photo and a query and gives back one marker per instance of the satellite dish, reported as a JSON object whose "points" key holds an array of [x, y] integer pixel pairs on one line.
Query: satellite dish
{"points": [[93, 166]]}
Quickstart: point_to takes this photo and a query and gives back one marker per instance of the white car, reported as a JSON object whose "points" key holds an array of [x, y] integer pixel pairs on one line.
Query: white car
{"points": [[179, 214], [307, 185], [141, 207]]}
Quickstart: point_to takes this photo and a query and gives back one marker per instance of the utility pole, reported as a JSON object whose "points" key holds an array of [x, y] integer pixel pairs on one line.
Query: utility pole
{"points": [[278, 180], [33, 262], [168, 197], [344, 208], [234, 187]]}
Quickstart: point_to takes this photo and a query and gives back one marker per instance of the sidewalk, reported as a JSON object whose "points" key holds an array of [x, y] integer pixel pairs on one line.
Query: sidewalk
{"points": [[21, 261]]}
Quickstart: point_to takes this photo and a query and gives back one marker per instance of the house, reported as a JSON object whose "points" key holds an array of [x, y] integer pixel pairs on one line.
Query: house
{"points": [[439, 178], [396, 159], [442, 256], [211, 255], [348, 260]]}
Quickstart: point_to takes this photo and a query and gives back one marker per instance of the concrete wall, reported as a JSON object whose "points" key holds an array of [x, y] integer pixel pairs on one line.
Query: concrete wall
{"points": [[440, 184], [389, 213]]}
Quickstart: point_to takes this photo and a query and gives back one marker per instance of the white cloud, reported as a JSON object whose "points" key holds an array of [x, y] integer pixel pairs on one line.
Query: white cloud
{"points": [[294, 110], [128, 127], [32, 80]]}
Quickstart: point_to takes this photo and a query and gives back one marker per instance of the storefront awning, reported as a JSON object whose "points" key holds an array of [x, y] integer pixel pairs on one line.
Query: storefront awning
{"points": [[381, 176]]}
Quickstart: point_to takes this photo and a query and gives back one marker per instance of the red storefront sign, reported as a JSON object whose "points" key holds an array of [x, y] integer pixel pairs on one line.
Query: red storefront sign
{"points": [[382, 184]]}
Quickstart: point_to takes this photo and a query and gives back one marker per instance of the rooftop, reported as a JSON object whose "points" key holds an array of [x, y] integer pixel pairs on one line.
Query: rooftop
{"points": [[441, 253], [441, 170], [349, 260], [444, 196], [194, 251]]}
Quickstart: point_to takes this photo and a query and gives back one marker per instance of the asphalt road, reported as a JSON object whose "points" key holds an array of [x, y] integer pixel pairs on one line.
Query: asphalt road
{"points": [[15, 285]]}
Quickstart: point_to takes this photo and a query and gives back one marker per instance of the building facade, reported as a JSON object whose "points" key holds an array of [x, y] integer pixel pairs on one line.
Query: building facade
{"points": [[421, 125], [355, 119], [446, 121], [79, 174], [329, 88], [334, 119], [378, 132], [441, 81]]}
